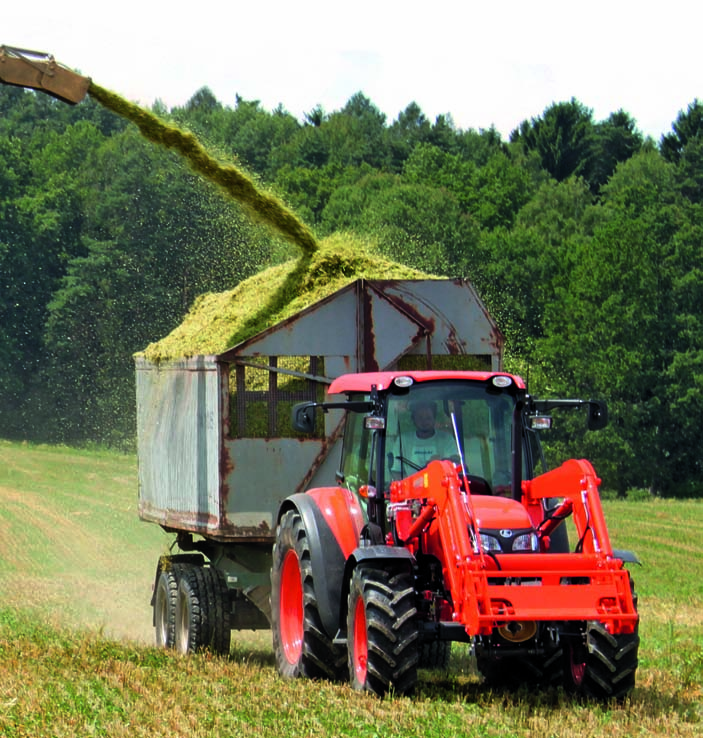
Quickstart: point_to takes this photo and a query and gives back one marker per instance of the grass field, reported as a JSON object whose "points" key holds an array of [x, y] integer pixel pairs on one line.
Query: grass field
{"points": [[76, 568]]}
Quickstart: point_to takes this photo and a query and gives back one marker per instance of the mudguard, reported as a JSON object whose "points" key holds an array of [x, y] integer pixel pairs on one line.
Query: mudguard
{"points": [[377, 555], [628, 557], [333, 519]]}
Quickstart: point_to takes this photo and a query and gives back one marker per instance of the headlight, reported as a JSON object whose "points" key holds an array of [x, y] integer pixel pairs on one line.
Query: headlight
{"points": [[490, 543], [526, 542]]}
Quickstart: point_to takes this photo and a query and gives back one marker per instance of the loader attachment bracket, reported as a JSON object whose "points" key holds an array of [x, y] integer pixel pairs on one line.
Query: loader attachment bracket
{"points": [[39, 71]]}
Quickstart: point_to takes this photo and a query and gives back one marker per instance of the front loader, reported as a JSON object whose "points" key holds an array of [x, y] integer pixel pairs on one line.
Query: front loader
{"points": [[373, 577]]}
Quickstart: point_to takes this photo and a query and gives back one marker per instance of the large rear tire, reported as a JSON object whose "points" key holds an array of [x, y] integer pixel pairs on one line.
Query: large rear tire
{"points": [[301, 646], [383, 639]]}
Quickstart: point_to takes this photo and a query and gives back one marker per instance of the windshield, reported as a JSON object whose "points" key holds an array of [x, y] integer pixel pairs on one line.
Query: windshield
{"points": [[425, 424]]}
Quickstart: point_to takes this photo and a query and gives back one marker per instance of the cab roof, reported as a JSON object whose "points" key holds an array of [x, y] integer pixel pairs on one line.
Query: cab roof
{"points": [[363, 381]]}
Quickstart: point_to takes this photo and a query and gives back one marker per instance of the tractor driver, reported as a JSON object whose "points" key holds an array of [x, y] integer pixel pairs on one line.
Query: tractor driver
{"points": [[427, 442]]}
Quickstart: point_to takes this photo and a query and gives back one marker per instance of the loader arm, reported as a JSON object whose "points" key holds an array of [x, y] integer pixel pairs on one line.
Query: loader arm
{"points": [[36, 70], [488, 591]]}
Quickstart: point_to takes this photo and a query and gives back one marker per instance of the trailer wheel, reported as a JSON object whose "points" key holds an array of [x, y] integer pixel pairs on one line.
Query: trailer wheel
{"points": [[300, 644], [510, 671], [216, 611], [165, 597], [435, 655], [189, 621], [605, 667], [202, 610], [383, 639]]}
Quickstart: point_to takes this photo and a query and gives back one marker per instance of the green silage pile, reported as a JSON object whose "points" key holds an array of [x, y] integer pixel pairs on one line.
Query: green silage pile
{"points": [[218, 321]]}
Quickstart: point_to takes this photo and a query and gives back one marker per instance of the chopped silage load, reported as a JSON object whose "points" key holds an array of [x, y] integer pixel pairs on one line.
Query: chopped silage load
{"points": [[219, 321]]}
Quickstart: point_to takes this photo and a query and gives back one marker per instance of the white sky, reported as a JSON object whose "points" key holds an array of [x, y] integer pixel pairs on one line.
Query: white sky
{"points": [[485, 63]]}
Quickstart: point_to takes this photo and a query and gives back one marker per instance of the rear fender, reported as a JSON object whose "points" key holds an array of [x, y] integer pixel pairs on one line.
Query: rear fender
{"points": [[333, 519]]}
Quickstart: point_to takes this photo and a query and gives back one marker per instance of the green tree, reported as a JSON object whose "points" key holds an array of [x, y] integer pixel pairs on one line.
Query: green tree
{"points": [[563, 138], [614, 140], [687, 127], [157, 236], [519, 269], [613, 328]]}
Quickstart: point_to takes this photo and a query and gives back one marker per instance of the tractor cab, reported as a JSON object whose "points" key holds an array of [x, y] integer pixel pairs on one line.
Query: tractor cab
{"points": [[485, 423], [415, 418]]}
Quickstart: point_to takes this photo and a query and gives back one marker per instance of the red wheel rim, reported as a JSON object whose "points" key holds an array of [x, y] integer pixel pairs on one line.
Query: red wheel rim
{"points": [[578, 668], [361, 644], [291, 608]]}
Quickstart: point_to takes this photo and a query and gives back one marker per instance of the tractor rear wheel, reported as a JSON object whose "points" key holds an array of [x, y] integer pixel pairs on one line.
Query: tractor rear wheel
{"points": [[383, 639], [301, 646]]}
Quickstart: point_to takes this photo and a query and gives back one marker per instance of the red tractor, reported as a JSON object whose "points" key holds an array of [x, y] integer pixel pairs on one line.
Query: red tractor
{"points": [[441, 528]]}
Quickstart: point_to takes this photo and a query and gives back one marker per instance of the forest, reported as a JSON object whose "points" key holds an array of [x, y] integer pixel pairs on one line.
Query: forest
{"points": [[584, 238]]}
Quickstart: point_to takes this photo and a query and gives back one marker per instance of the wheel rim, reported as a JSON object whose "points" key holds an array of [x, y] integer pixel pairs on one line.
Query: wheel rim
{"points": [[291, 608], [161, 619], [578, 668], [361, 644], [183, 624]]}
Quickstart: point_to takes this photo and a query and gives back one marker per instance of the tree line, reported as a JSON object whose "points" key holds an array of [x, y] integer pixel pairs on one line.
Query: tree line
{"points": [[583, 237]]}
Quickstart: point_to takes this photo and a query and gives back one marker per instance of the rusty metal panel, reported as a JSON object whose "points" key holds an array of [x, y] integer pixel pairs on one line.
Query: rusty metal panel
{"points": [[326, 328], [371, 323], [264, 472], [454, 318], [178, 436]]}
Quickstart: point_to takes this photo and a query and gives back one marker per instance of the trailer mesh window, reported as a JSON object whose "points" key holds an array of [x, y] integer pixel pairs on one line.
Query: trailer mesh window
{"points": [[263, 391]]}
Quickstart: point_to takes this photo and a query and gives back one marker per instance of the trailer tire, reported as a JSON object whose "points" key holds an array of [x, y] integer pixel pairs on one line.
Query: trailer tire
{"points": [[383, 638], [202, 611], [301, 646], [510, 671], [216, 611], [165, 596], [189, 616], [435, 655]]}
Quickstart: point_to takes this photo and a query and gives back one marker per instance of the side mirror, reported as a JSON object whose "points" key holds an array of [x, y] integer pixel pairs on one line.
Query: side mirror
{"points": [[303, 417], [597, 415]]}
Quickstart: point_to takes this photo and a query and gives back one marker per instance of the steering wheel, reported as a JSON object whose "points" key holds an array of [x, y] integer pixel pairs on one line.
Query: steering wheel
{"points": [[411, 464]]}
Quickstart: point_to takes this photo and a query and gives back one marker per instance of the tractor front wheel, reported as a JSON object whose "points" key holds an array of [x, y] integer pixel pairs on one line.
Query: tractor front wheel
{"points": [[383, 639], [604, 668]]}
